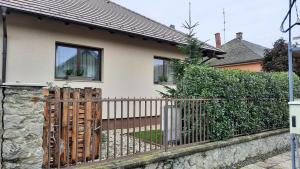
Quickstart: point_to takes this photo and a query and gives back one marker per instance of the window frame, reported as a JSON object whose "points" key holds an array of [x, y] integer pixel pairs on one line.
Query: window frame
{"points": [[71, 45], [164, 70]]}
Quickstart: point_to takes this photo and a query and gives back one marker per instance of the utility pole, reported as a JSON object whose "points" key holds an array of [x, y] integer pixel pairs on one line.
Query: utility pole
{"points": [[291, 85], [291, 49]]}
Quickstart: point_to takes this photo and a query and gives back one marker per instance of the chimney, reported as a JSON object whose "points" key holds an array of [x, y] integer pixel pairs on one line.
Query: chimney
{"points": [[172, 26], [218, 40], [239, 35]]}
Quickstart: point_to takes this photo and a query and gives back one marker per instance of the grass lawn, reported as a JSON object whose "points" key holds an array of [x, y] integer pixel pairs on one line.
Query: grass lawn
{"points": [[145, 136]]}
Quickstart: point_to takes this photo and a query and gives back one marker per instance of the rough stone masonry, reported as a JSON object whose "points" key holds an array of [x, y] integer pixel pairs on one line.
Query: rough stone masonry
{"points": [[22, 127]]}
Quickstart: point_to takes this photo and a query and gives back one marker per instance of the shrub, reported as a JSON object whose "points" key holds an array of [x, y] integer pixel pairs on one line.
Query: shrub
{"points": [[250, 102]]}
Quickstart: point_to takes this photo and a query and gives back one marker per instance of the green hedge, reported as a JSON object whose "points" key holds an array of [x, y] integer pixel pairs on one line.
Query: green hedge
{"points": [[251, 102]]}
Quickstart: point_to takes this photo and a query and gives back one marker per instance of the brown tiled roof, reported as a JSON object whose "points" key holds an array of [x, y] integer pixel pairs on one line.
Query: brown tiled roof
{"points": [[240, 51], [100, 13]]}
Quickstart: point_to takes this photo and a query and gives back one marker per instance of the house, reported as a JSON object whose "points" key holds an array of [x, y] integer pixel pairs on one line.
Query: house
{"points": [[240, 54], [95, 43]]}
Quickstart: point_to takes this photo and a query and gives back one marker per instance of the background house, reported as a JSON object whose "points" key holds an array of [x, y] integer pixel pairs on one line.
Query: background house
{"points": [[116, 49], [240, 54]]}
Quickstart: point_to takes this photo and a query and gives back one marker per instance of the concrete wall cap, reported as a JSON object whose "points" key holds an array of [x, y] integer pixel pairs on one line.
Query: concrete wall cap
{"points": [[9, 84]]}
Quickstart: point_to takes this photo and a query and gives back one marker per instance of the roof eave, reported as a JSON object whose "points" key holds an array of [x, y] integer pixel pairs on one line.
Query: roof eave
{"points": [[240, 63]]}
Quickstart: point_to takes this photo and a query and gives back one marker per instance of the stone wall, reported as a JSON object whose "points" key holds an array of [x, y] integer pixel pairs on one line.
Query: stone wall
{"points": [[225, 156], [221, 154], [23, 127]]}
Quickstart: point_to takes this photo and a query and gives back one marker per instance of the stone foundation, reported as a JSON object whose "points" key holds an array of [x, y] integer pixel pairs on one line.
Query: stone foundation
{"points": [[23, 121], [219, 154]]}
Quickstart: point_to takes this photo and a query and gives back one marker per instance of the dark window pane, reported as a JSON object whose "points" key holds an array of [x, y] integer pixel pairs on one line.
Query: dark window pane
{"points": [[169, 71], [89, 64], [158, 70], [65, 60], [163, 72]]}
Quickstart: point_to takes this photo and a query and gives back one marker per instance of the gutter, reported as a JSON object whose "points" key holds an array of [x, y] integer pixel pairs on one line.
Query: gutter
{"points": [[239, 63], [4, 53]]}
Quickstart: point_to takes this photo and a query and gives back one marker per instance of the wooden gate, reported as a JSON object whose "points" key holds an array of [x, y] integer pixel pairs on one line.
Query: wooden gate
{"points": [[71, 130]]}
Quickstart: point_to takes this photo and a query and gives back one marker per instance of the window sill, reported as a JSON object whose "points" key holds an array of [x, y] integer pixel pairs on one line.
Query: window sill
{"points": [[79, 80]]}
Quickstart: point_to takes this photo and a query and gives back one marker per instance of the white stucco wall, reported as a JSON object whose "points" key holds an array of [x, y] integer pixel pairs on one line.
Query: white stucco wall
{"points": [[127, 62]]}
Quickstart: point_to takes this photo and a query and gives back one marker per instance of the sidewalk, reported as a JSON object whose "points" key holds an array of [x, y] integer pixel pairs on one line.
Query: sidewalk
{"points": [[281, 161]]}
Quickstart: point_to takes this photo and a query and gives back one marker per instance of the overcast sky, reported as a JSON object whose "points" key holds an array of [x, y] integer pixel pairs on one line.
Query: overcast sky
{"points": [[259, 20]]}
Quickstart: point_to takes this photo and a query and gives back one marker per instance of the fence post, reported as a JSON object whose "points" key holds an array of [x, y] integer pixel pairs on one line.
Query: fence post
{"points": [[165, 122]]}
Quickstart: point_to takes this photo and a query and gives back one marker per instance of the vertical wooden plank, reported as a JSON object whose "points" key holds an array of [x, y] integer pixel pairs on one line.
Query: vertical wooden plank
{"points": [[66, 96], [59, 119], [88, 116], [76, 96], [98, 117], [46, 128], [68, 132], [93, 130], [56, 155]]}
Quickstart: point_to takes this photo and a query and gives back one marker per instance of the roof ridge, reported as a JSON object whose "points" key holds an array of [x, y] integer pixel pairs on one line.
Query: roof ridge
{"points": [[110, 1]]}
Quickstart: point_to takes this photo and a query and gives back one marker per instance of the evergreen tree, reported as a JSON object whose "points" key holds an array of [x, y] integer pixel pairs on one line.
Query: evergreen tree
{"points": [[192, 50]]}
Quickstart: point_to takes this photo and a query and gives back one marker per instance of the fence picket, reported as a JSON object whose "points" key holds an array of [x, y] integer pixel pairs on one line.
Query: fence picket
{"points": [[65, 136], [99, 124], [56, 156], [74, 127], [88, 123]]}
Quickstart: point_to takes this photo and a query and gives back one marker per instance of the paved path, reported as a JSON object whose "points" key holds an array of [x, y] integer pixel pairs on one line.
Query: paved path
{"points": [[281, 161]]}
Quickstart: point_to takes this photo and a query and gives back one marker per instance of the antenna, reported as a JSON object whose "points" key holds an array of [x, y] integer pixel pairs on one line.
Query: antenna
{"points": [[224, 26], [190, 13]]}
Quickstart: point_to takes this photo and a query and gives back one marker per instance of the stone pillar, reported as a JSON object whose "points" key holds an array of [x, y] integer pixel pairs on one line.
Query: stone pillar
{"points": [[23, 121]]}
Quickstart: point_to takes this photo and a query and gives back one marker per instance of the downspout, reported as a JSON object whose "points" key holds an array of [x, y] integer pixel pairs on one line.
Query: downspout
{"points": [[4, 56], [4, 53]]}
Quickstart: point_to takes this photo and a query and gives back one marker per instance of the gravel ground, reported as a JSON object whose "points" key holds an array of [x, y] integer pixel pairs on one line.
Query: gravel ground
{"points": [[118, 150]]}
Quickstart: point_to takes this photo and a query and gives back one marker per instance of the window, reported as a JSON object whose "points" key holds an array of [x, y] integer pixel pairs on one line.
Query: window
{"points": [[79, 62], [163, 72]]}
